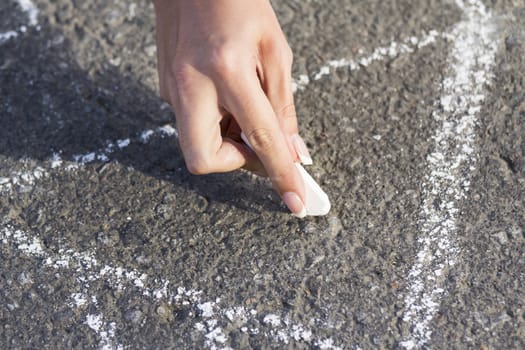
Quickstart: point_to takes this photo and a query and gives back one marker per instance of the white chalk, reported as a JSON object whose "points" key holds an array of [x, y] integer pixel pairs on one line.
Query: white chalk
{"points": [[317, 202]]}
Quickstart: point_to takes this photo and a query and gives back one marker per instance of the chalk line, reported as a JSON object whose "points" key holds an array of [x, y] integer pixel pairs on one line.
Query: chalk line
{"points": [[31, 11], [408, 45], [449, 167], [7, 35], [106, 331], [103, 153], [24, 180], [89, 270]]}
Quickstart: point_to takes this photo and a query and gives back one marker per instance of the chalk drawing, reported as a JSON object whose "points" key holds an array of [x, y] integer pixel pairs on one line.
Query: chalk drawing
{"points": [[88, 269], [31, 11], [450, 165]]}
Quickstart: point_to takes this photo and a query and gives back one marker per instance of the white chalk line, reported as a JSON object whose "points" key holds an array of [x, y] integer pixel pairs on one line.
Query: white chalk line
{"points": [[24, 180], [31, 11], [88, 270], [362, 59], [103, 154], [450, 166]]}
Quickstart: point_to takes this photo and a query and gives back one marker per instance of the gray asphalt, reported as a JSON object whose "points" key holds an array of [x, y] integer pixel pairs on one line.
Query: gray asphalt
{"points": [[107, 242]]}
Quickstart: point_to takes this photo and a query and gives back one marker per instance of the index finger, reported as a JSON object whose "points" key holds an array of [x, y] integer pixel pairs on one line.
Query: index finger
{"points": [[254, 113]]}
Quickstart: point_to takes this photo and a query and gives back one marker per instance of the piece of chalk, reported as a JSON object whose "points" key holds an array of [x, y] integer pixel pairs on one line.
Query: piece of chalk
{"points": [[316, 200]]}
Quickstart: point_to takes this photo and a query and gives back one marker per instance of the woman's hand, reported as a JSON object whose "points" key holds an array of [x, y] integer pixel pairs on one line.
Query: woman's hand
{"points": [[225, 66]]}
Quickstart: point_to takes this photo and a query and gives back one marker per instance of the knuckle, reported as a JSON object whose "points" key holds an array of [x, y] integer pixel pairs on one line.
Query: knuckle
{"points": [[287, 112], [281, 52], [261, 139], [198, 165], [224, 60]]}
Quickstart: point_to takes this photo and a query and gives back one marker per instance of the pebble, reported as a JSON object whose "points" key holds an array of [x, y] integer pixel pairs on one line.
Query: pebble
{"points": [[23, 279], [334, 226], [134, 316], [510, 42], [502, 237]]}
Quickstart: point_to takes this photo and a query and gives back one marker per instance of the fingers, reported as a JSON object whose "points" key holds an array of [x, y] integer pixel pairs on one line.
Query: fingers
{"points": [[254, 113], [231, 130], [198, 121], [276, 80]]}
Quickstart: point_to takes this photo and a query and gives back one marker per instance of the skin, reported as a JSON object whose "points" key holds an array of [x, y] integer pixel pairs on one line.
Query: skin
{"points": [[225, 66]]}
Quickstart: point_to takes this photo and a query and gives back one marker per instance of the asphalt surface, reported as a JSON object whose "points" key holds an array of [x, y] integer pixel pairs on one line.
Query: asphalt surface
{"points": [[414, 113]]}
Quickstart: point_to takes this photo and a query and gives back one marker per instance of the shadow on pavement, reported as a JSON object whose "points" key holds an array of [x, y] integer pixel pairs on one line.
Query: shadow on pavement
{"points": [[50, 104]]}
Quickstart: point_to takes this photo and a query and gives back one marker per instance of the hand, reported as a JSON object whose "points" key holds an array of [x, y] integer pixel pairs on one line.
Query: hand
{"points": [[225, 66]]}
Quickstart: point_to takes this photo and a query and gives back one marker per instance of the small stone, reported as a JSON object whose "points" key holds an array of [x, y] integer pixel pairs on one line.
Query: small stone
{"points": [[133, 316], [132, 11], [151, 50], [25, 189], [502, 237], [511, 42], [115, 61], [376, 340], [516, 232], [142, 259], [109, 238], [23, 279], [311, 229], [64, 317], [164, 313], [361, 317], [355, 162], [334, 226]]}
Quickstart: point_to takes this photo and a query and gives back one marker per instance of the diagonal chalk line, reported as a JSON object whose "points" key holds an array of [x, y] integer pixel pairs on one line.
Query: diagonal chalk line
{"points": [[31, 11], [104, 153], [449, 167], [24, 180], [88, 270], [408, 45]]}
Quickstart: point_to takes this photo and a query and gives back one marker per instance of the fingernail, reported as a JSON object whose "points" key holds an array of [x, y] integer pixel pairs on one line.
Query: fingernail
{"points": [[302, 151], [295, 204]]}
